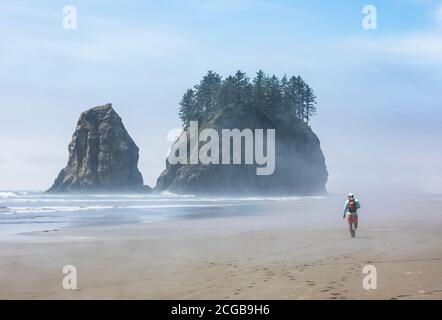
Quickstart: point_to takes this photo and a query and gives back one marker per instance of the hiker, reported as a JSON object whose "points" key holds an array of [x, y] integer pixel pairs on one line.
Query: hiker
{"points": [[351, 210]]}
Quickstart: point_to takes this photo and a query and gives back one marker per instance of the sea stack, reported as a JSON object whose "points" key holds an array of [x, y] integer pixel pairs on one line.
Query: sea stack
{"points": [[102, 156], [300, 163], [216, 108]]}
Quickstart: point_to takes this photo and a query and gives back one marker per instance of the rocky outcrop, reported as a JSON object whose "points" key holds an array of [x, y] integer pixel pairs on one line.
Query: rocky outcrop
{"points": [[300, 164], [102, 156]]}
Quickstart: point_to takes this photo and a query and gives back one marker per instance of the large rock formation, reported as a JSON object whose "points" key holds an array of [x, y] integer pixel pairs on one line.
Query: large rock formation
{"points": [[102, 156], [300, 164]]}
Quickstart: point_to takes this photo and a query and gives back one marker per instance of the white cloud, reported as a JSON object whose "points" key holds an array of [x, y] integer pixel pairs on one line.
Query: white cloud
{"points": [[126, 44], [419, 47], [96, 39], [423, 48]]}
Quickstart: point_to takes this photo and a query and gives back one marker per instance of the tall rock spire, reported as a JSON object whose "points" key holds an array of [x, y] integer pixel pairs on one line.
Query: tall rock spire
{"points": [[102, 156]]}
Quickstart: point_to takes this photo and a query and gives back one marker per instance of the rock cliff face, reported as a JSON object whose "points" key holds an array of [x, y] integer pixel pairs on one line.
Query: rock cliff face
{"points": [[102, 156], [299, 162]]}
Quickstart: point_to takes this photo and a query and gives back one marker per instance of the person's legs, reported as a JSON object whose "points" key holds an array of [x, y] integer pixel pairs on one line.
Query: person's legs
{"points": [[350, 224], [355, 222]]}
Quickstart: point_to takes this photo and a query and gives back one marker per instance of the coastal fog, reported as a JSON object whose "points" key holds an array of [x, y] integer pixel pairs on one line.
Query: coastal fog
{"points": [[275, 248]]}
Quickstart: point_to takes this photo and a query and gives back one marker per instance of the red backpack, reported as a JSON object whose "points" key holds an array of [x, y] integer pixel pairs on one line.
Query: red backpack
{"points": [[352, 206]]}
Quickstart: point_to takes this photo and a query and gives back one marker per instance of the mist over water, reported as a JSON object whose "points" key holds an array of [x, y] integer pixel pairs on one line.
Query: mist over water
{"points": [[24, 212], [54, 211]]}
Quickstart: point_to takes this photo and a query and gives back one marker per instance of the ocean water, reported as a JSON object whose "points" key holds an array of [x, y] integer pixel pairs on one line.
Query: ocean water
{"points": [[24, 212]]}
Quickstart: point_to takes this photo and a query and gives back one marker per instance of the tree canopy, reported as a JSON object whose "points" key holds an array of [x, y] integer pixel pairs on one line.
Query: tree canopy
{"points": [[286, 98]]}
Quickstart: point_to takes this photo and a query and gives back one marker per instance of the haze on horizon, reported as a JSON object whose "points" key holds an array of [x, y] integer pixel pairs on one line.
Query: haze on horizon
{"points": [[378, 91]]}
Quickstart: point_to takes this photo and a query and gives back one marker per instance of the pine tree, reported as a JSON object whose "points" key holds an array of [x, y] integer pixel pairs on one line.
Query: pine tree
{"points": [[290, 98], [187, 111], [273, 97], [242, 90], [287, 99], [299, 89], [259, 91], [310, 103], [227, 94], [206, 92]]}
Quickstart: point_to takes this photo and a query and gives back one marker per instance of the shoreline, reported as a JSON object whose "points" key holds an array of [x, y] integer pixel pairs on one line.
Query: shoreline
{"points": [[287, 253]]}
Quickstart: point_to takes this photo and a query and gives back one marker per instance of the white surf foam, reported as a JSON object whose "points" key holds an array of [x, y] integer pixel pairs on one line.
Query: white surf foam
{"points": [[53, 209], [8, 194]]}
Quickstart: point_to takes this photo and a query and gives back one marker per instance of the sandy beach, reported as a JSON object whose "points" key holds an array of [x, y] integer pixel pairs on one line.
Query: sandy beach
{"points": [[298, 250]]}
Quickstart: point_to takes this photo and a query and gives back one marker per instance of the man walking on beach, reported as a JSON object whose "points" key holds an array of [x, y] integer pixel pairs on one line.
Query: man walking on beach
{"points": [[351, 210]]}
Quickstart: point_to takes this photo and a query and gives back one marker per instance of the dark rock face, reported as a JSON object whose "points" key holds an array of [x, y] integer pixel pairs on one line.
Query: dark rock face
{"points": [[299, 167], [102, 156]]}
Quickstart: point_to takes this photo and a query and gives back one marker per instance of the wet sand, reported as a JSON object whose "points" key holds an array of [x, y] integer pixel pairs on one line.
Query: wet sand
{"points": [[302, 253]]}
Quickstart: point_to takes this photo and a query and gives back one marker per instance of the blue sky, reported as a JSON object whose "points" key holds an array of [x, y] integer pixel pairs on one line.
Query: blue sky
{"points": [[378, 91]]}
